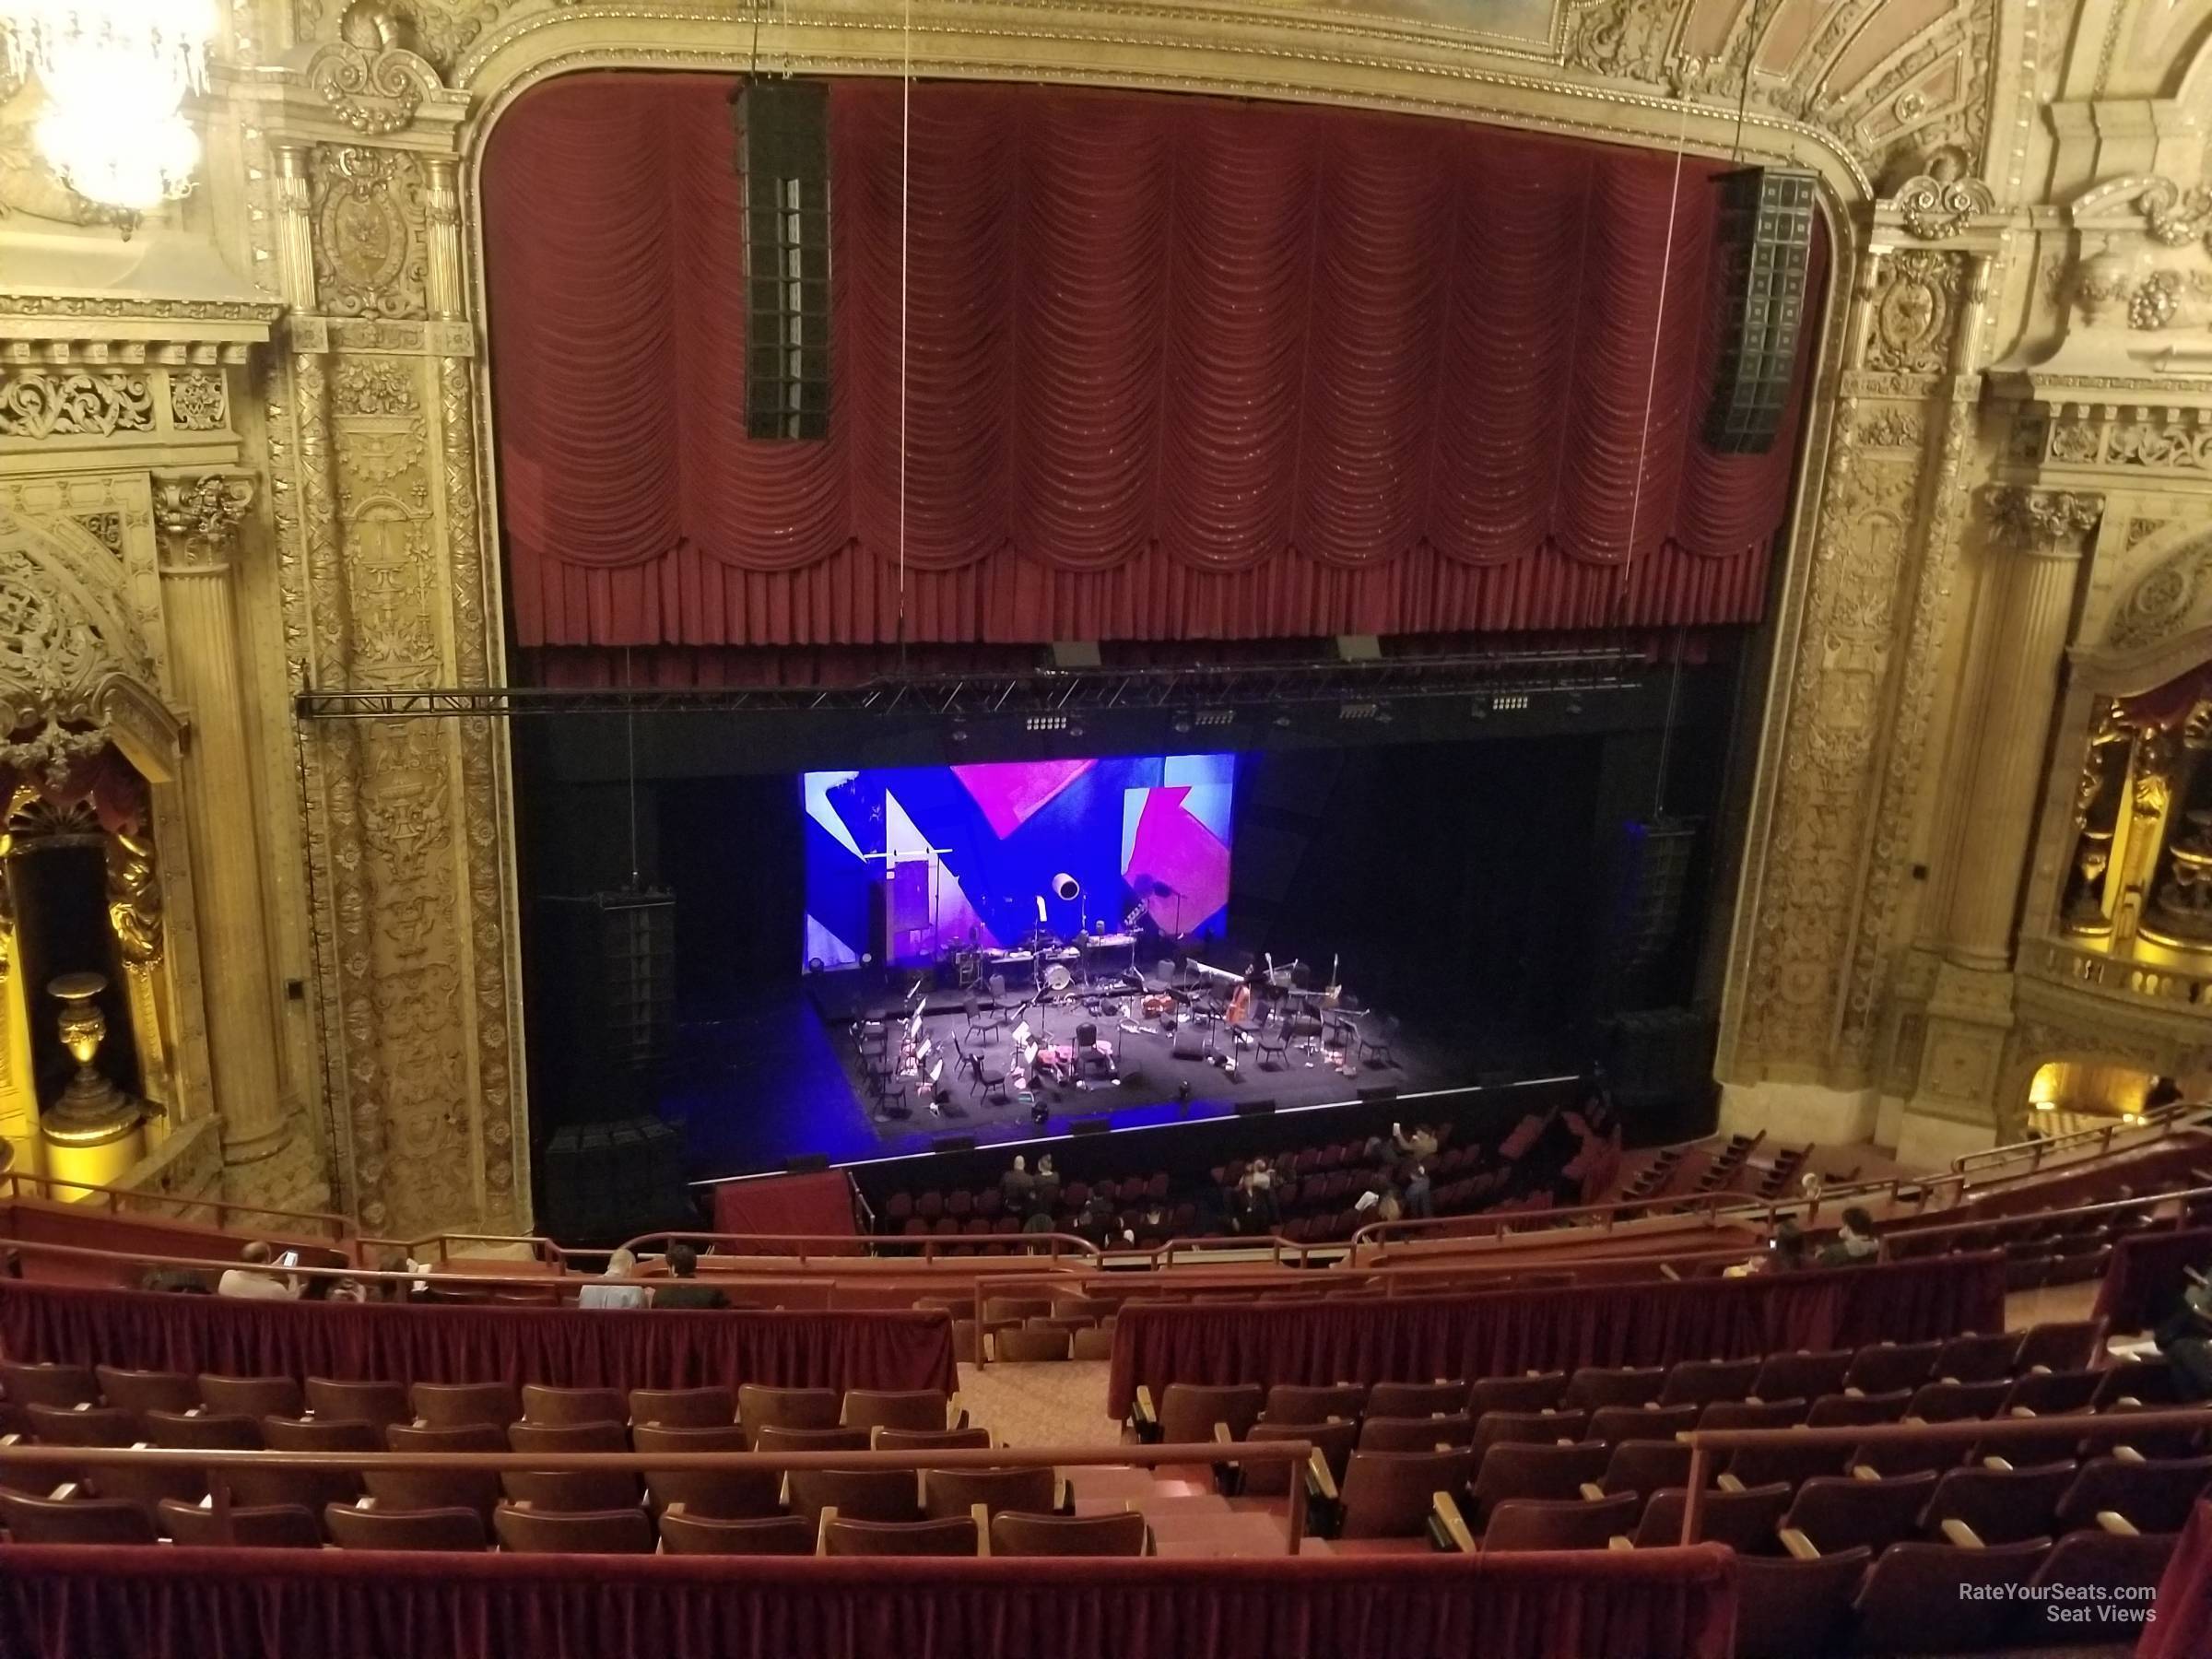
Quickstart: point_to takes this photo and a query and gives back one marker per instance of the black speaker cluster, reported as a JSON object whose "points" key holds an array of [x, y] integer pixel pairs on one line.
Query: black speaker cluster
{"points": [[783, 157], [1766, 244]]}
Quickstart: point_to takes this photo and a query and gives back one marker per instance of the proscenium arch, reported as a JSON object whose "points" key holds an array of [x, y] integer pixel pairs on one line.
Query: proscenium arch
{"points": [[1403, 71]]}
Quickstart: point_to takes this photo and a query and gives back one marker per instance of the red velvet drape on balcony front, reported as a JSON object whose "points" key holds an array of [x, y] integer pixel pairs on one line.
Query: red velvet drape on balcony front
{"points": [[565, 1346], [1497, 1334], [292, 1604], [1177, 367]]}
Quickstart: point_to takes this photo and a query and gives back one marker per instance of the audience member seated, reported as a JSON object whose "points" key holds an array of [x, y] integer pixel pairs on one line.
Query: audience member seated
{"points": [[253, 1279], [683, 1261], [1855, 1243], [617, 1292]]}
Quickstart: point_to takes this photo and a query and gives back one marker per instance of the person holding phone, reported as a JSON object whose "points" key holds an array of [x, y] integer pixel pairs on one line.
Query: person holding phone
{"points": [[253, 1279]]}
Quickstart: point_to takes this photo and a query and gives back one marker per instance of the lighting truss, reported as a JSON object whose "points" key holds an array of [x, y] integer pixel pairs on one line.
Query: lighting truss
{"points": [[1501, 676]]}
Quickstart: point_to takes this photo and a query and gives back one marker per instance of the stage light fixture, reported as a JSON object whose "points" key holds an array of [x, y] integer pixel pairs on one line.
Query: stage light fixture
{"points": [[1217, 717], [1183, 723], [1066, 887]]}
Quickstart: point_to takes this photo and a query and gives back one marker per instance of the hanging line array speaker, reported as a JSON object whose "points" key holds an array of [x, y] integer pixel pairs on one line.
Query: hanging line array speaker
{"points": [[783, 158], [1765, 228]]}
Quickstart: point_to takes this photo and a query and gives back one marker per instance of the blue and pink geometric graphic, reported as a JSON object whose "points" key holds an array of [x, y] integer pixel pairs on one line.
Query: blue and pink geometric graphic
{"points": [[906, 862]]}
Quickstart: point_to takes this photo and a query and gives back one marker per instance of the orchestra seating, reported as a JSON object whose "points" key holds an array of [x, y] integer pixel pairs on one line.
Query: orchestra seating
{"points": [[1474, 1453]]}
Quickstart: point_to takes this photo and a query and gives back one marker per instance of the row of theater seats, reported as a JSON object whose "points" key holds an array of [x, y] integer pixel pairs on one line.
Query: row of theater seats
{"points": [[2047, 1249], [832, 1511], [1023, 1329], [575, 1514], [82, 1405], [932, 1206], [2007, 1359]]}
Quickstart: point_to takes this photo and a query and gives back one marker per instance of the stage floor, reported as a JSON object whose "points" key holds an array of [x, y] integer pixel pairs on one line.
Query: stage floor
{"points": [[775, 1079]]}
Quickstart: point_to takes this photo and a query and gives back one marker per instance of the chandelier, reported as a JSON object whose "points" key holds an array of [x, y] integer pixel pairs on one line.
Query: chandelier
{"points": [[115, 75]]}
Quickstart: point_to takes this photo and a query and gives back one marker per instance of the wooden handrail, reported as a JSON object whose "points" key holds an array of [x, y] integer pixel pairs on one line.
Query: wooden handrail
{"points": [[2182, 1196], [1968, 1431], [848, 1243], [2160, 1119], [473, 1282], [685, 1462], [116, 1196]]}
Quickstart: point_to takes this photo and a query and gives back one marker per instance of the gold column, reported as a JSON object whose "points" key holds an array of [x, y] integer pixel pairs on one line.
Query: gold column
{"points": [[2041, 535], [198, 519]]}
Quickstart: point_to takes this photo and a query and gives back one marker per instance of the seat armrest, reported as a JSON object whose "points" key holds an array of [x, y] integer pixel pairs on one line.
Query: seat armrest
{"points": [[1325, 1510], [1444, 1511], [677, 1509], [1729, 1483], [1319, 1481], [1956, 1531], [1800, 1546], [1228, 1478], [1620, 1541], [1999, 1465], [821, 1531], [1864, 1472], [1855, 1394], [955, 1414], [1064, 1495], [1593, 1492], [980, 1514], [2126, 1454], [1144, 1416], [2114, 1521]]}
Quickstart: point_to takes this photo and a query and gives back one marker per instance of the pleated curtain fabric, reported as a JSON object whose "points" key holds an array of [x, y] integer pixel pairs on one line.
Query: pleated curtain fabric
{"points": [[1417, 1339], [203, 1603], [1177, 367], [567, 1347]]}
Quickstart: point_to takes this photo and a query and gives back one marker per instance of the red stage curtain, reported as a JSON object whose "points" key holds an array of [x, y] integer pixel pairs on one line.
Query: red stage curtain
{"points": [[1499, 1333], [218, 1604], [2145, 1280], [817, 1204], [2180, 1619], [1178, 367], [568, 1347]]}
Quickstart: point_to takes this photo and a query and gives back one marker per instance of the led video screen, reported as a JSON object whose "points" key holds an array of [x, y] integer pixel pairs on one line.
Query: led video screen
{"points": [[906, 864]]}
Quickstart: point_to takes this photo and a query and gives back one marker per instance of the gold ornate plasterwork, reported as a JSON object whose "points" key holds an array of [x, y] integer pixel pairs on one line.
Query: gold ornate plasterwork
{"points": [[1916, 292], [199, 517], [369, 78], [369, 225], [34, 403], [1935, 209]]}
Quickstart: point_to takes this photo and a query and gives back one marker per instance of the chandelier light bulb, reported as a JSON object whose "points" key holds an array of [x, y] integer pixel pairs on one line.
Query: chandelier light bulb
{"points": [[115, 73]]}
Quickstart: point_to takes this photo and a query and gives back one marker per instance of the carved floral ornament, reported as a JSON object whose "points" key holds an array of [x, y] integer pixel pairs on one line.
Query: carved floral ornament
{"points": [[2146, 261], [368, 77], [2052, 523], [199, 517], [1944, 198], [72, 665]]}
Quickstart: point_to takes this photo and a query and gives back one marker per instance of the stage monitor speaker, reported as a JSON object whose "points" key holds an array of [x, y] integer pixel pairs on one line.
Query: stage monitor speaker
{"points": [[810, 1164], [1255, 1108], [783, 158], [953, 1143], [1074, 653], [1377, 1097], [1766, 239], [1090, 1125]]}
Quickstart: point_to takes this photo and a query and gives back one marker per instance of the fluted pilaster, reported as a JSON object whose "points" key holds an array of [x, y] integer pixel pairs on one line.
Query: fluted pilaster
{"points": [[2038, 544], [198, 518]]}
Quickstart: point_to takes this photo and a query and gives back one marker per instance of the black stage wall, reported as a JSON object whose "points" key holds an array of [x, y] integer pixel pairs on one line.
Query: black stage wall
{"points": [[1472, 874]]}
